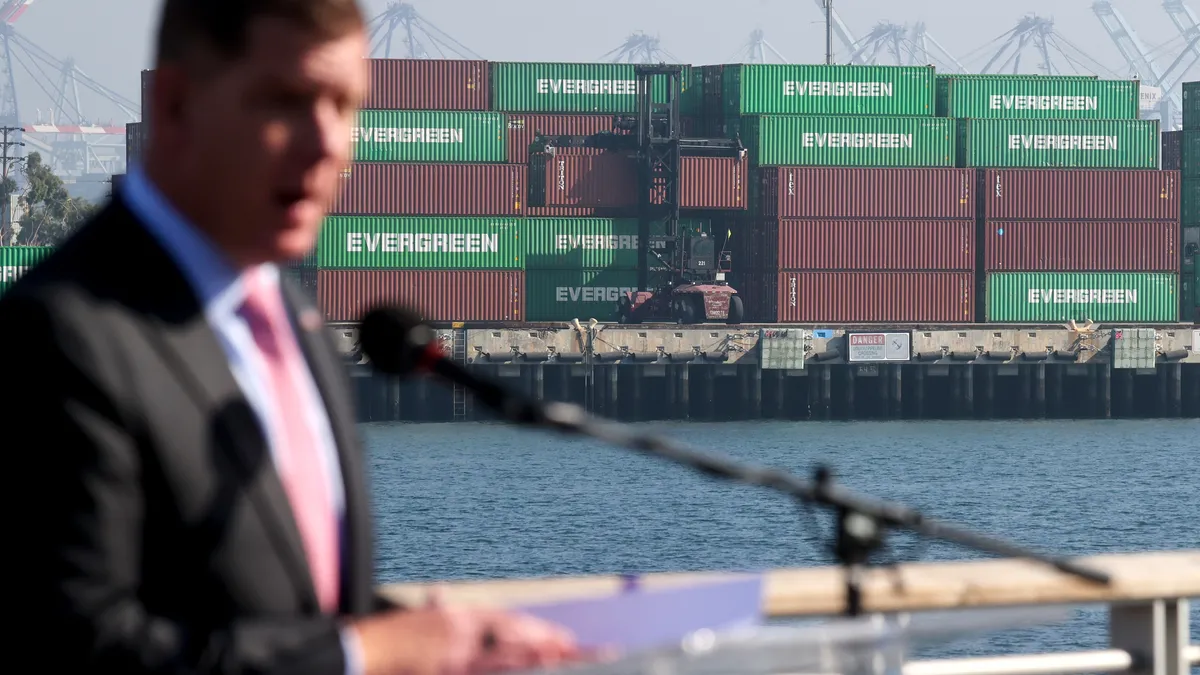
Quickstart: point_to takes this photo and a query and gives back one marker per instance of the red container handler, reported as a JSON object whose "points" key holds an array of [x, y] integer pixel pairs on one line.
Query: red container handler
{"points": [[428, 84], [843, 192], [1081, 246], [522, 129], [857, 297], [856, 245], [440, 295], [388, 188], [1077, 194]]}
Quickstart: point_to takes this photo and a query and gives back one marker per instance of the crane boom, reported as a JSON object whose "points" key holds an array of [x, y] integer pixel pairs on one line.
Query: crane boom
{"points": [[1135, 53], [843, 34]]}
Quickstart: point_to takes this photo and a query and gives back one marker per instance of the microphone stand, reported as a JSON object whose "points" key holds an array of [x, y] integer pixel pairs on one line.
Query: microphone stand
{"points": [[861, 521]]}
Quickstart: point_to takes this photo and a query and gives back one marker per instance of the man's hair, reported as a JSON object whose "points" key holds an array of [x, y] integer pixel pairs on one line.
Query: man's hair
{"points": [[221, 27]]}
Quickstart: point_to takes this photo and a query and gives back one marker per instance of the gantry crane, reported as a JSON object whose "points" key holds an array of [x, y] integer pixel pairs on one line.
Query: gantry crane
{"points": [[908, 45], [697, 290], [640, 48], [755, 50], [422, 39]]}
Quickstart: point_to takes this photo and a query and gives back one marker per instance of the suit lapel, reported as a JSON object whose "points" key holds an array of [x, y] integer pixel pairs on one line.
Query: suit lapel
{"points": [[179, 331], [326, 371]]}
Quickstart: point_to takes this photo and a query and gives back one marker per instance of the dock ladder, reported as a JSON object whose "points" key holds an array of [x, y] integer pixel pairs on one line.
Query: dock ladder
{"points": [[458, 348]]}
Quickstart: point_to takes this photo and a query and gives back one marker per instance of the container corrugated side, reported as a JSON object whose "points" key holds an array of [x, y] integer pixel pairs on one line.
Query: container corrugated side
{"points": [[563, 295], [430, 136], [570, 87], [1189, 154], [428, 84], [1039, 98], [803, 140], [438, 295], [1171, 158], [1061, 144], [524, 127], [15, 261], [1190, 203], [830, 192], [942, 83], [1191, 105], [592, 243], [838, 245], [1081, 245], [392, 188], [1034, 194], [858, 297], [1058, 297], [353, 242], [135, 142], [714, 183], [803, 89], [608, 180]]}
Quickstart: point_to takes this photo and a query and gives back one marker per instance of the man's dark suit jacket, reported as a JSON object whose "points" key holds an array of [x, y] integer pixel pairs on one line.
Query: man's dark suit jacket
{"points": [[152, 533]]}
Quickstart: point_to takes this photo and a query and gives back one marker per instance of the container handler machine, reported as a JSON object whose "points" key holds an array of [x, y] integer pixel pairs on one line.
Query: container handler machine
{"points": [[696, 290]]}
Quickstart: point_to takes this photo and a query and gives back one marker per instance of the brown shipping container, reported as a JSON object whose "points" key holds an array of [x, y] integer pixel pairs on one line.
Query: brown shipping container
{"points": [[713, 183], [930, 245], [578, 212], [1081, 246], [428, 84], [523, 128], [1104, 194], [858, 297], [828, 192], [608, 180], [441, 295], [1172, 151], [389, 188]]}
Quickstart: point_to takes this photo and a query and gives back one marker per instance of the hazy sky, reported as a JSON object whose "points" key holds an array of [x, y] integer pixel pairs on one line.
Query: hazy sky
{"points": [[110, 40]]}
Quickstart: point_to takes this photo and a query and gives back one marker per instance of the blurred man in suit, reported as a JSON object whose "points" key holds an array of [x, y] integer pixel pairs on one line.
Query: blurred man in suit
{"points": [[187, 487]]}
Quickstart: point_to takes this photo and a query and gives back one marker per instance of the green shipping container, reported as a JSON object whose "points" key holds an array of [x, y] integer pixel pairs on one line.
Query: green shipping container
{"points": [[519, 86], [1191, 106], [806, 140], [776, 89], [1038, 98], [426, 243], [1063, 144], [430, 136], [1189, 198], [1058, 297], [15, 261], [1189, 151], [942, 83], [591, 243], [563, 295]]}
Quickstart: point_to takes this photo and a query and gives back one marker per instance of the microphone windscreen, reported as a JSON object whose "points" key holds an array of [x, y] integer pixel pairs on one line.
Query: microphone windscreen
{"points": [[389, 337]]}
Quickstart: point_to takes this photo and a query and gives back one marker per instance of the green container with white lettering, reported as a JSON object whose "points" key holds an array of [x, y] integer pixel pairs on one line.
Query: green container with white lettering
{"points": [[16, 261], [1037, 97], [593, 243], [1058, 144], [530, 87], [805, 89], [810, 140], [430, 136], [1103, 297], [563, 295], [421, 243]]}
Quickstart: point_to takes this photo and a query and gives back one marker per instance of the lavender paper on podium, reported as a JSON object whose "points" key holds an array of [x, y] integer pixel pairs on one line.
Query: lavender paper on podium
{"points": [[637, 618]]}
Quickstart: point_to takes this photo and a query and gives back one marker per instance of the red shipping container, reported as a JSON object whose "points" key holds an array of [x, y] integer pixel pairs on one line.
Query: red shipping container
{"points": [[858, 297], [1105, 194], [608, 180], [390, 188], [713, 183], [927, 245], [838, 192], [1081, 246], [1172, 151], [523, 128], [439, 295], [428, 84]]}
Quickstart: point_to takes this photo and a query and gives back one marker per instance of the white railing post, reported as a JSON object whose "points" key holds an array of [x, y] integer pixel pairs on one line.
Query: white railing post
{"points": [[1155, 633]]}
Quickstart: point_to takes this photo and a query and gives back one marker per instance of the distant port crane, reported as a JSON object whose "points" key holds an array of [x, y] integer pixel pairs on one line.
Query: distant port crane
{"points": [[401, 24]]}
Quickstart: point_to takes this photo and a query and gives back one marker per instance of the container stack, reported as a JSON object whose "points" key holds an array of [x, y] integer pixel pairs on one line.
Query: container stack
{"points": [[856, 215], [1076, 222], [1188, 141]]}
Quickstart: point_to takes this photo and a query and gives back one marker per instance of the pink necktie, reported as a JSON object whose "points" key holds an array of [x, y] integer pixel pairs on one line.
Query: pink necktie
{"points": [[299, 460]]}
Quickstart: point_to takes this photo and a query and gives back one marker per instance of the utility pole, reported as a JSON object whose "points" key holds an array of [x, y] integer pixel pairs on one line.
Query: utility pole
{"points": [[7, 144], [829, 32], [6, 207]]}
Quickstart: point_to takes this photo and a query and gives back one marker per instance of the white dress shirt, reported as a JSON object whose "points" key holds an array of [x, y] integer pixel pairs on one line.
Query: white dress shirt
{"points": [[220, 291]]}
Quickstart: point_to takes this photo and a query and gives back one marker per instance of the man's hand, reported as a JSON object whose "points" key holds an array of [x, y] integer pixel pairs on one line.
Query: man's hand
{"points": [[440, 640]]}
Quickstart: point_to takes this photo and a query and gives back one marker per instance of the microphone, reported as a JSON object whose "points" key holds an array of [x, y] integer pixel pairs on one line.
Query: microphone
{"points": [[397, 342]]}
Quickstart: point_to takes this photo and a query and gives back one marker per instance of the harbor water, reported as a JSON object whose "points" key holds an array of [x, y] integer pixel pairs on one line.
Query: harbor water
{"points": [[481, 500]]}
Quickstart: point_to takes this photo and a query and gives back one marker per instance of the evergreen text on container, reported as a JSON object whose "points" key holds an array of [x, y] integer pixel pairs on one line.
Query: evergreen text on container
{"points": [[587, 87], [860, 89], [591, 293], [1002, 102], [819, 140], [1072, 296], [406, 135], [1061, 142], [390, 242]]}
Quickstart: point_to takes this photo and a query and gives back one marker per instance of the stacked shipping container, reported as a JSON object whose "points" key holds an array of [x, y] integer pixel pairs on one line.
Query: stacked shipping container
{"points": [[15, 261], [1187, 143]]}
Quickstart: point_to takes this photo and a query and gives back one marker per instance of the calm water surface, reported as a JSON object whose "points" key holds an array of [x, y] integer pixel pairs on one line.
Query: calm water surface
{"points": [[485, 500]]}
